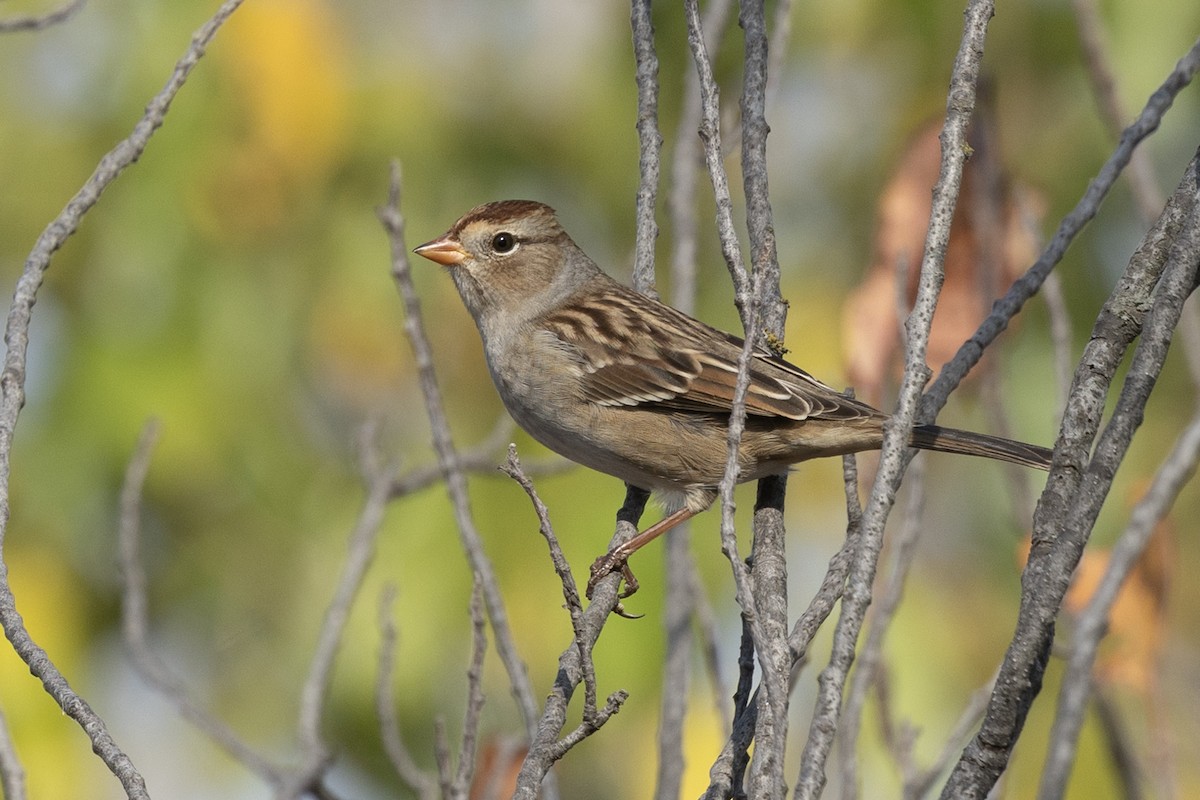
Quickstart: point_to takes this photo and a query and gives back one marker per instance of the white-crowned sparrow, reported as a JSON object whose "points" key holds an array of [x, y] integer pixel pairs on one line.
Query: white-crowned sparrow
{"points": [[628, 386]]}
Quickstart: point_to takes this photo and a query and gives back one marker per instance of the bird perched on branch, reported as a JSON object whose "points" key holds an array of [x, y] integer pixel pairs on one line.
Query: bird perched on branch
{"points": [[626, 385]]}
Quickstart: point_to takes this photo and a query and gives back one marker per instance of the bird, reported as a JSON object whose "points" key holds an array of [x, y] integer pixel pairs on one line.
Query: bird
{"points": [[619, 382]]}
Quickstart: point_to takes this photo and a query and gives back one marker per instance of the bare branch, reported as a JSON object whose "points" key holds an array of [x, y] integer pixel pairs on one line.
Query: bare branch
{"points": [[686, 159], [12, 389], [475, 696], [768, 554], [1028, 284], [1096, 59], [1077, 486], [570, 590], [12, 774], [422, 783], [893, 458], [360, 554], [42, 21], [546, 746], [480, 459], [649, 145], [725, 771], [456, 482], [870, 659], [1092, 624], [710, 135]]}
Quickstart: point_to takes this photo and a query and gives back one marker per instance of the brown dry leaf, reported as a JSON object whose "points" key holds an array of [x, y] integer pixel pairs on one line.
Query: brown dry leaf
{"points": [[1137, 622], [991, 242], [497, 769]]}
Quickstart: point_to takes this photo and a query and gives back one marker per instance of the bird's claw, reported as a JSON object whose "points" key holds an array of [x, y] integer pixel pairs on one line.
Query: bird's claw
{"points": [[605, 565]]}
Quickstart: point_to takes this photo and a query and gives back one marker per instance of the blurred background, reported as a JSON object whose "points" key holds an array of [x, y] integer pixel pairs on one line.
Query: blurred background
{"points": [[235, 285]]}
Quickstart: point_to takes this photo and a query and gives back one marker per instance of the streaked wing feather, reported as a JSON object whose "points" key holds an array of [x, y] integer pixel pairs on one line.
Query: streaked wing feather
{"points": [[628, 361]]}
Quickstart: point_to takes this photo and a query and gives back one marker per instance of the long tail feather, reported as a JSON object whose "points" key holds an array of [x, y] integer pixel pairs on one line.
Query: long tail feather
{"points": [[952, 440]]}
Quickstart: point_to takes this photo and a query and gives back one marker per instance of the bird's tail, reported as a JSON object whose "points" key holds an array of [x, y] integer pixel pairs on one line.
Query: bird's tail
{"points": [[952, 440]]}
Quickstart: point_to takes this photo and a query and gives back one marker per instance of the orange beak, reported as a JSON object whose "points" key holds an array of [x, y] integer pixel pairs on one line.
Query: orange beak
{"points": [[445, 251]]}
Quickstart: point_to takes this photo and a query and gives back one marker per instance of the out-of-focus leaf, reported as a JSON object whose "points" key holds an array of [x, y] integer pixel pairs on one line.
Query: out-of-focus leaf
{"points": [[1137, 622], [991, 241]]}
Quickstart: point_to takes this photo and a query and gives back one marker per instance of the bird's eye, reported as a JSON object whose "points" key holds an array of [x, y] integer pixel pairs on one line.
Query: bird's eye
{"points": [[504, 242]]}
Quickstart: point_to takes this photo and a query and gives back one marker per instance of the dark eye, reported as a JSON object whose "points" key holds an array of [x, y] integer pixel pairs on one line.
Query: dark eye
{"points": [[504, 242]]}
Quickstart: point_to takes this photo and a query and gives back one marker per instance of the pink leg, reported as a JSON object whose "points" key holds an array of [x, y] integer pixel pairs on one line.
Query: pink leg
{"points": [[617, 557]]}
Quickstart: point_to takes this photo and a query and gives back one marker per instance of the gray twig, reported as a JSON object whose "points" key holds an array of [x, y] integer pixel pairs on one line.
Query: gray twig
{"points": [[893, 458], [1092, 623], [1158, 277], [360, 553], [478, 460], [456, 482], [421, 782], [685, 598], [12, 774], [1027, 285], [475, 697], [649, 145], [768, 554], [686, 159], [41, 21], [710, 135], [725, 771], [513, 469], [870, 659], [12, 389], [546, 747]]}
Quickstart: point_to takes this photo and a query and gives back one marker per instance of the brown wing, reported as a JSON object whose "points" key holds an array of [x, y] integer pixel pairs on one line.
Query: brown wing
{"points": [[634, 351]]}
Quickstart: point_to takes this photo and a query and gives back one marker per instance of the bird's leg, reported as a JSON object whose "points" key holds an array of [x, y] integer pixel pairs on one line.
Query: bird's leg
{"points": [[617, 557]]}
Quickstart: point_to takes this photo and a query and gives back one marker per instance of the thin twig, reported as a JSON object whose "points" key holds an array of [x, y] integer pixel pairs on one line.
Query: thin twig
{"points": [[1028, 284], [710, 135], [1092, 623], [1158, 277], [893, 458], [42, 21], [1146, 193], [360, 553], [685, 596], [649, 145], [135, 620], [456, 483], [12, 774], [574, 604], [686, 159], [904, 550], [422, 783], [475, 696], [546, 747], [482, 459], [12, 389]]}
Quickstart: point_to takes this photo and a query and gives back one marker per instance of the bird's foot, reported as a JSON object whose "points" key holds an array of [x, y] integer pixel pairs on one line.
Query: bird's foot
{"points": [[605, 565]]}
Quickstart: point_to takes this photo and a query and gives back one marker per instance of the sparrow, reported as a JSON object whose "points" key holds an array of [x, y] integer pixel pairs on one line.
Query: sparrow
{"points": [[626, 385]]}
